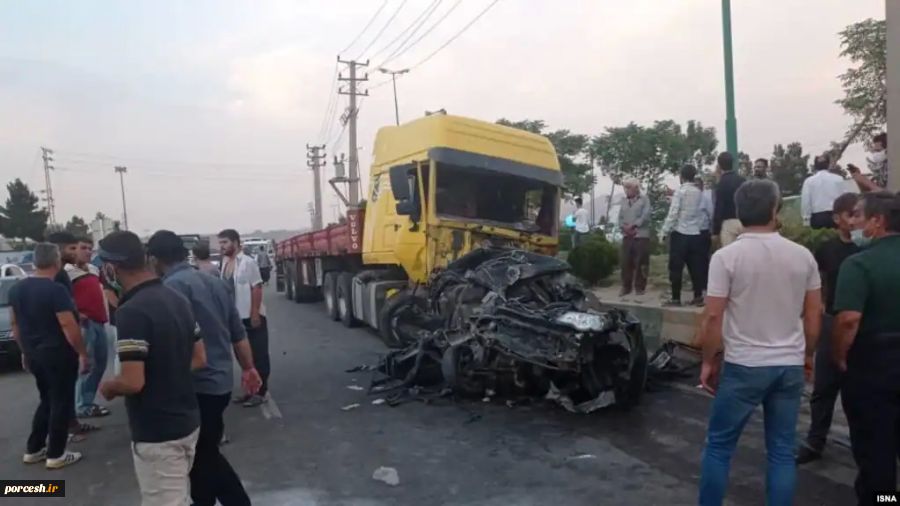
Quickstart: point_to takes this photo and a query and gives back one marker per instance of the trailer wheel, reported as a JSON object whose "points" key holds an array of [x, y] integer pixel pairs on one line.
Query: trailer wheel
{"points": [[288, 283], [345, 299], [329, 292], [400, 319]]}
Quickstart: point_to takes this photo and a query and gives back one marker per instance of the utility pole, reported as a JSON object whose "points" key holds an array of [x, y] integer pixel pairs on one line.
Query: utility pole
{"points": [[316, 160], [730, 119], [394, 74], [352, 92], [593, 193], [121, 171], [892, 16], [51, 204]]}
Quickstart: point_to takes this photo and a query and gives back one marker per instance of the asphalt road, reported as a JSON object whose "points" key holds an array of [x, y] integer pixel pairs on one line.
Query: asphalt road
{"points": [[303, 449]]}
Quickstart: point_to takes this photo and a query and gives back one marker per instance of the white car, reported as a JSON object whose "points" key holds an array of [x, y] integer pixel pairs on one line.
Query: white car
{"points": [[12, 271]]}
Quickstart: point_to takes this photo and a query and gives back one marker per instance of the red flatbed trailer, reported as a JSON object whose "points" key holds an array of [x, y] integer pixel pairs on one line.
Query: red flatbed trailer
{"points": [[301, 261]]}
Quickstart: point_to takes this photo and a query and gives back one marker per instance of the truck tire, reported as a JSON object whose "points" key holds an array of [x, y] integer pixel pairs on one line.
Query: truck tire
{"points": [[397, 319], [345, 299], [288, 283], [329, 292]]}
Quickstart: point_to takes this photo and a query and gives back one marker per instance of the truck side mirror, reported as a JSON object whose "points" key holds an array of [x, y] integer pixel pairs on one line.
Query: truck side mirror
{"points": [[400, 186]]}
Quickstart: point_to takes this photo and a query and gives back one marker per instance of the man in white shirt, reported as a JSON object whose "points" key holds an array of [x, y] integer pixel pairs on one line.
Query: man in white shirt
{"points": [[682, 225], [764, 307], [241, 274], [819, 193], [582, 223]]}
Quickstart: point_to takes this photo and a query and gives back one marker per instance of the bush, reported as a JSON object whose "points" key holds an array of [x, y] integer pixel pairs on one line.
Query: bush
{"points": [[811, 238], [565, 238], [594, 259]]}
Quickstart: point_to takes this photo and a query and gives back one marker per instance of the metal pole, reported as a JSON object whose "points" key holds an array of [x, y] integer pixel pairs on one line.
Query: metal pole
{"points": [[730, 119], [352, 92], [396, 107], [122, 170], [593, 194], [51, 205], [892, 15]]}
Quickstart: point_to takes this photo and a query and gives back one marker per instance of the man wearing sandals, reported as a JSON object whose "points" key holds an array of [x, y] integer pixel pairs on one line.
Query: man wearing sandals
{"points": [[45, 328], [159, 344], [91, 304]]}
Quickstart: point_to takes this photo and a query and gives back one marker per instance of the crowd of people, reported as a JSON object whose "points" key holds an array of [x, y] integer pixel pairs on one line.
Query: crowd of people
{"points": [[178, 328]]}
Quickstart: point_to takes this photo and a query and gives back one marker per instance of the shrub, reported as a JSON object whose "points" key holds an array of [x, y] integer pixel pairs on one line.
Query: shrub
{"points": [[811, 238], [565, 238], [594, 259]]}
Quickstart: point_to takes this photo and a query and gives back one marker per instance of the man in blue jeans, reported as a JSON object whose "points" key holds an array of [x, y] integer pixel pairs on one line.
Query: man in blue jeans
{"points": [[761, 273]]}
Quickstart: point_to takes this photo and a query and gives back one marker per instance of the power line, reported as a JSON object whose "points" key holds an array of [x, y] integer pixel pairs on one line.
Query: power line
{"points": [[449, 41], [329, 108], [405, 30], [430, 29], [76, 155], [383, 28], [361, 32]]}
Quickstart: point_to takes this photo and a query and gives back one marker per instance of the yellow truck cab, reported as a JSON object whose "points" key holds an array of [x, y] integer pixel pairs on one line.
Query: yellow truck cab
{"points": [[443, 185], [440, 186]]}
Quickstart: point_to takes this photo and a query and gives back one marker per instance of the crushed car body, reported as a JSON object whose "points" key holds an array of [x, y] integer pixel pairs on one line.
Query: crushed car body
{"points": [[514, 324]]}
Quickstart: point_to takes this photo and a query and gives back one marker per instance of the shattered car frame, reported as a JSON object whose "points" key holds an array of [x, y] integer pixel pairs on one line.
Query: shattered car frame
{"points": [[514, 323]]}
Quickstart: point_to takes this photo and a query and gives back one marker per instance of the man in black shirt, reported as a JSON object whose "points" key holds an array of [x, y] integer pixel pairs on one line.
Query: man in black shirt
{"points": [[158, 343], [44, 325], [829, 256], [726, 225]]}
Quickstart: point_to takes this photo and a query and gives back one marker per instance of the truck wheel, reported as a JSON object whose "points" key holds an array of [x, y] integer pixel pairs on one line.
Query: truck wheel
{"points": [[288, 283], [329, 292], [398, 322], [345, 299]]}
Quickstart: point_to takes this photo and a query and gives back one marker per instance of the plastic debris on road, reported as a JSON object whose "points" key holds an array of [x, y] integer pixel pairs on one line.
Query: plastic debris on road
{"points": [[387, 475], [348, 407], [378, 402], [355, 388]]}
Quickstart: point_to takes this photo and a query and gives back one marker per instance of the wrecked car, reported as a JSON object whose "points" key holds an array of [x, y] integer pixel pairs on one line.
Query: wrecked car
{"points": [[515, 324]]}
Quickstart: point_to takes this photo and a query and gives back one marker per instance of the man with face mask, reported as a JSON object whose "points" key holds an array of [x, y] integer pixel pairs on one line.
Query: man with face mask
{"points": [[159, 344], [867, 344], [827, 380]]}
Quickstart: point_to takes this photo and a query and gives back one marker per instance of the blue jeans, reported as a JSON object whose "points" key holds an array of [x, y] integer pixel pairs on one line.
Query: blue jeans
{"points": [[741, 390], [97, 349]]}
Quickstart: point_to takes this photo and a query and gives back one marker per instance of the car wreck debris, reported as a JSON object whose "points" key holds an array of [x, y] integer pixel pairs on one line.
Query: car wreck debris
{"points": [[512, 323]]}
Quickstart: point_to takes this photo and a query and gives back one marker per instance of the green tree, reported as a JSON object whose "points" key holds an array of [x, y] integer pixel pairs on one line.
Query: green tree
{"points": [[789, 167], [77, 226], [864, 83], [22, 216], [651, 153], [571, 150]]}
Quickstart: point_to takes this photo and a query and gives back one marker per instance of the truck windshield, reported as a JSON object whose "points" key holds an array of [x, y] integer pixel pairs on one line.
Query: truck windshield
{"points": [[473, 194]]}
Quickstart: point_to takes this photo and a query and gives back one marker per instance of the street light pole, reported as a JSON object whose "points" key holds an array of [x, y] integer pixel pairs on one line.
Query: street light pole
{"points": [[394, 74], [730, 119], [121, 171]]}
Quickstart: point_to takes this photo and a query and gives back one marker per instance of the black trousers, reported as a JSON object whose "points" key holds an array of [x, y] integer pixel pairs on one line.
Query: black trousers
{"points": [[871, 398], [212, 477], [706, 255], [259, 345], [825, 219], [826, 387], [55, 372], [687, 250]]}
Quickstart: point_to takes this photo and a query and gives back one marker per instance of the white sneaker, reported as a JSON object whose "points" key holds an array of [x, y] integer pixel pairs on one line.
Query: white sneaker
{"points": [[67, 459], [34, 458]]}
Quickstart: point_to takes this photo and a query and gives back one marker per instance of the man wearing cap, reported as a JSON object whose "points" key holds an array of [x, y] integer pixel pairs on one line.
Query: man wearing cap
{"points": [[159, 344], [212, 477]]}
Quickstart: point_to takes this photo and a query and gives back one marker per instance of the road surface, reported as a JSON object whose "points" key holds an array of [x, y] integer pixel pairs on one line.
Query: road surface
{"points": [[303, 449]]}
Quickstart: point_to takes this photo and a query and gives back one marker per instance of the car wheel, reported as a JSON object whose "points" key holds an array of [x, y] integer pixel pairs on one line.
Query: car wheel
{"points": [[400, 319]]}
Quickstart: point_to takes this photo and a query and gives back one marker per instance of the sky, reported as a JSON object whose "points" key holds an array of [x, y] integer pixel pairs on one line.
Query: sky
{"points": [[211, 103]]}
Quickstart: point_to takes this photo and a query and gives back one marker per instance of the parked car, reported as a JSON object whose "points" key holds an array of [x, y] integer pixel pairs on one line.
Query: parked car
{"points": [[9, 349]]}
